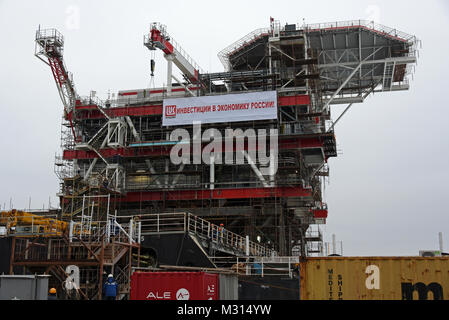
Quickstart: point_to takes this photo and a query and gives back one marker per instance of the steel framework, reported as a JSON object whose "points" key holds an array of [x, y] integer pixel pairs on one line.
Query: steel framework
{"points": [[121, 149]]}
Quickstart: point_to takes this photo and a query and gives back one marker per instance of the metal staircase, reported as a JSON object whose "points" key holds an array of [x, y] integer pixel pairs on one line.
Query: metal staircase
{"points": [[91, 246], [388, 75], [211, 237]]}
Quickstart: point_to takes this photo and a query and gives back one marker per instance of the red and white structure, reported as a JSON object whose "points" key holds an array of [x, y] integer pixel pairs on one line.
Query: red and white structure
{"points": [[122, 146]]}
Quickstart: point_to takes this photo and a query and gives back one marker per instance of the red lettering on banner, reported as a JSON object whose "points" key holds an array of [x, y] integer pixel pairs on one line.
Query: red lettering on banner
{"points": [[230, 108], [262, 104]]}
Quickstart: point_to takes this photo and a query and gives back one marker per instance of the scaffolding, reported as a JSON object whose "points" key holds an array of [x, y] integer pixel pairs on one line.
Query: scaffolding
{"points": [[62, 249]]}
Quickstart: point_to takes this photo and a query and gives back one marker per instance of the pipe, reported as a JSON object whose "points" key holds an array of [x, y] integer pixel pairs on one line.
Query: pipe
{"points": [[334, 244]]}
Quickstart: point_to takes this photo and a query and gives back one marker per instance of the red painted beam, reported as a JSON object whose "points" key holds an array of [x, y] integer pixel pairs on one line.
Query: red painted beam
{"points": [[94, 113], [109, 152], [153, 151], [133, 93], [238, 193]]}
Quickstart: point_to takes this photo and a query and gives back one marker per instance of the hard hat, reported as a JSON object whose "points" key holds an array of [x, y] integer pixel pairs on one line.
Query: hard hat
{"points": [[110, 276], [221, 224], [52, 291]]}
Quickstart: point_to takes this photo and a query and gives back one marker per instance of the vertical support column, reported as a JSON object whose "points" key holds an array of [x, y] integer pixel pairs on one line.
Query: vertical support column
{"points": [[138, 257], [131, 222], [169, 58], [167, 167], [49, 249], [247, 254], [82, 214], [282, 242], [130, 262], [108, 228], [269, 58], [100, 281], [139, 232], [302, 279], [26, 250], [273, 163], [289, 240], [71, 231], [11, 259], [212, 171], [303, 243], [334, 244], [289, 267]]}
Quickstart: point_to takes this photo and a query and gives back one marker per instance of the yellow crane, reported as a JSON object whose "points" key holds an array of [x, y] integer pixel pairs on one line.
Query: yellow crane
{"points": [[21, 223]]}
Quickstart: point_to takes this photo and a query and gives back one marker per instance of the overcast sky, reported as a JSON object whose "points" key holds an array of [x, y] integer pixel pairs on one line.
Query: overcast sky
{"points": [[388, 192]]}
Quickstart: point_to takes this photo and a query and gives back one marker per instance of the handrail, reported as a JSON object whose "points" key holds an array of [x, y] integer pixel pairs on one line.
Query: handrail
{"points": [[260, 266], [224, 54], [373, 26], [186, 222], [45, 34]]}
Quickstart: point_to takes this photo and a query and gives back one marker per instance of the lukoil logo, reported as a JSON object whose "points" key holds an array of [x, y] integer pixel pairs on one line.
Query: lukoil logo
{"points": [[182, 294], [170, 111]]}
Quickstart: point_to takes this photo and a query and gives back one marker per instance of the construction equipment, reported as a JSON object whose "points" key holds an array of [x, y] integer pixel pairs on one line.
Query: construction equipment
{"points": [[25, 224], [158, 38], [21, 223]]}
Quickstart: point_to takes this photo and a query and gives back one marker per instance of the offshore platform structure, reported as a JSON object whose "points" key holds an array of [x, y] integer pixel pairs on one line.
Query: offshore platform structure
{"points": [[116, 153]]}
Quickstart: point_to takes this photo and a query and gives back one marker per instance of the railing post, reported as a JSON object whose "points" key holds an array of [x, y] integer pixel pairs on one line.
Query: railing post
{"points": [[82, 213], [157, 223], [108, 229], [194, 226], [247, 255], [109, 199], [70, 230], [139, 231], [289, 268], [237, 265], [131, 231]]}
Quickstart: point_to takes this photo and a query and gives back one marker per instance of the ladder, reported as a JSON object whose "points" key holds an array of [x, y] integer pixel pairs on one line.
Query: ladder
{"points": [[388, 75]]}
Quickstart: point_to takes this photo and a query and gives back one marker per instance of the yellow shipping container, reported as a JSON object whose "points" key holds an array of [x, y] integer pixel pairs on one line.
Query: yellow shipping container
{"points": [[375, 278]]}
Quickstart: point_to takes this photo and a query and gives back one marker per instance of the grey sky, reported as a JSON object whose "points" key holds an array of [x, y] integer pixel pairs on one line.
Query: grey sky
{"points": [[388, 189]]}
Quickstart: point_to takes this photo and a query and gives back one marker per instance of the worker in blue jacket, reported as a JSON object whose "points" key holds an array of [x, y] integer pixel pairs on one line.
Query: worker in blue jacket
{"points": [[110, 288]]}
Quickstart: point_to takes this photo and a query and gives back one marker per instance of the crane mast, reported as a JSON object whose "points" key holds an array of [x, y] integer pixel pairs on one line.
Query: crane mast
{"points": [[158, 38], [49, 49]]}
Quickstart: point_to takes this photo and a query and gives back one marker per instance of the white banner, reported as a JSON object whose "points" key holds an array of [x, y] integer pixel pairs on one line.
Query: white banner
{"points": [[222, 108]]}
